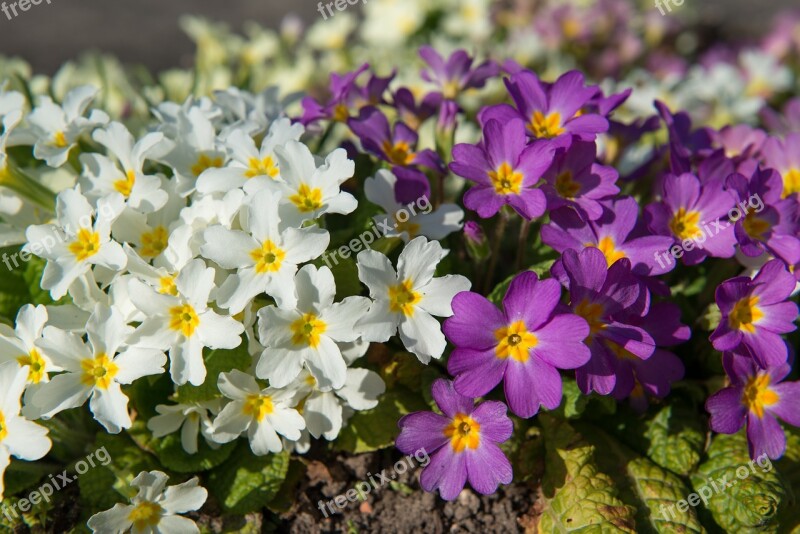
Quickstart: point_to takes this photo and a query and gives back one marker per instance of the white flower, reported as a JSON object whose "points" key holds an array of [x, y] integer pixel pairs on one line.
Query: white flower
{"points": [[190, 418], [265, 258], [80, 238], [409, 298], [184, 322], [154, 509], [22, 344], [57, 128], [103, 176], [310, 191], [196, 149], [254, 112], [18, 436], [95, 371], [412, 220], [309, 333], [250, 167], [325, 410], [262, 413]]}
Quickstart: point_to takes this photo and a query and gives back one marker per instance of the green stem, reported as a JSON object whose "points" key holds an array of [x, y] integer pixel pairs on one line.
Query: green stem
{"points": [[499, 229], [21, 183], [524, 230]]}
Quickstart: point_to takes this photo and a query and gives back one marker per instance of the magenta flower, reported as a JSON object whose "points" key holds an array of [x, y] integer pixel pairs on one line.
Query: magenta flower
{"points": [[457, 73], [616, 233], [550, 111], [784, 156], [612, 301], [576, 179], [462, 443], [505, 170], [755, 313], [695, 215], [395, 145], [346, 96], [757, 398], [770, 223], [523, 345]]}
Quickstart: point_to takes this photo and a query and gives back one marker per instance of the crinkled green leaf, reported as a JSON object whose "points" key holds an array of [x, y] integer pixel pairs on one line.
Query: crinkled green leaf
{"points": [[745, 498], [217, 361], [579, 497], [653, 490], [246, 483], [377, 428]]}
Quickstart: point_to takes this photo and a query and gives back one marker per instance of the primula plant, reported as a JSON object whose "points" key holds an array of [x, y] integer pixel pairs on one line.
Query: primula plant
{"points": [[541, 247]]}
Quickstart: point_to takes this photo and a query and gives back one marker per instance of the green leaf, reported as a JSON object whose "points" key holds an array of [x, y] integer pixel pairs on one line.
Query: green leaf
{"points": [[578, 496], [745, 498], [246, 483], [287, 497], [375, 429], [345, 274], [217, 361], [575, 403], [499, 291], [653, 490]]}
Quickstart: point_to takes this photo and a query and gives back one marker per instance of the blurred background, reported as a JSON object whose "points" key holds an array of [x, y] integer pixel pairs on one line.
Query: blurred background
{"points": [[146, 31]]}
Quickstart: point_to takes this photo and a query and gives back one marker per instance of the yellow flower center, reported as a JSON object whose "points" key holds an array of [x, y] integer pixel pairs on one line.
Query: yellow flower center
{"points": [[685, 224], [399, 153], [268, 258], [546, 126], [184, 319], [341, 113], [3, 428], [593, 313], [411, 228], [262, 167], [506, 180], [86, 244], [757, 395], [463, 432], [566, 186], [744, 314], [205, 162], [146, 515], [99, 372], [124, 187], [258, 406], [609, 250], [755, 226], [791, 182], [307, 329], [450, 89], [514, 341], [155, 242], [307, 198], [167, 286], [403, 298], [36, 365], [60, 140]]}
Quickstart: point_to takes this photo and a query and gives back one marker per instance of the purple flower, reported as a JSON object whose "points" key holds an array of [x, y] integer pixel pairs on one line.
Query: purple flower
{"points": [[784, 122], [456, 74], [612, 301], [756, 397], [615, 233], [575, 179], [523, 345], [346, 95], [462, 443], [396, 145], [784, 156], [550, 111], [770, 223], [504, 169], [755, 313], [688, 213], [414, 114]]}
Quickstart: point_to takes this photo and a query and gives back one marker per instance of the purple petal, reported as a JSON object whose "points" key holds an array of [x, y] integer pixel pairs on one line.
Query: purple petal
{"points": [[788, 407], [474, 321], [561, 342], [530, 300], [529, 384], [447, 472], [727, 411], [476, 372], [422, 430], [495, 423], [765, 436], [449, 400], [487, 468]]}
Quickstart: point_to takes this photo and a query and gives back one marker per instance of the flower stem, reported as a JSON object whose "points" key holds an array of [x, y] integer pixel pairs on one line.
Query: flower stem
{"points": [[499, 229]]}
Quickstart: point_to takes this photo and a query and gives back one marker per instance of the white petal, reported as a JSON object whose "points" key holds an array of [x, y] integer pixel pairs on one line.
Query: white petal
{"points": [[422, 335], [418, 261], [186, 362], [362, 388], [110, 408], [135, 363], [281, 365], [437, 295], [230, 249], [323, 415], [185, 497], [62, 392], [26, 440], [219, 332], [377, 273], [379, 323], [326, 364], [114, 520], [341, 318]]}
